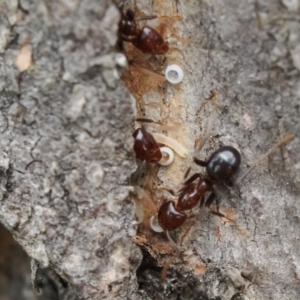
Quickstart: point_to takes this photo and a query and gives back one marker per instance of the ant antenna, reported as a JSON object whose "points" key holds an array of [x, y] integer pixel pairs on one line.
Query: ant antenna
{"points": [[172, 242], [167, 264], [256, 162], [121, 5], [160, 124], [213, 96], [170, 261], [145, 18], [159, 77]]}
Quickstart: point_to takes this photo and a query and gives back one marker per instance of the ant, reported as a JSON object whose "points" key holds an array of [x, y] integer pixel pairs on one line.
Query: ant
{"points": [[147, 149], [146, 39], [221, 166]]}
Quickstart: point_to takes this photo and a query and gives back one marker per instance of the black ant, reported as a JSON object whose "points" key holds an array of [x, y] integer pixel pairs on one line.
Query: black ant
{"points": [[147, 39]]}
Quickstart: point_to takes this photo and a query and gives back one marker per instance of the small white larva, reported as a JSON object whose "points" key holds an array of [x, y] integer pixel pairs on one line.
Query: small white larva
{"points": [[165, 140], [154, 225], [174, 74], [167, 156]]}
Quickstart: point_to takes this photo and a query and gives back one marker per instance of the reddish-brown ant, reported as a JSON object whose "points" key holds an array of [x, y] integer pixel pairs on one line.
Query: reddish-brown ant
{"points": [[221, 166], [146, 146], [146, 39]]}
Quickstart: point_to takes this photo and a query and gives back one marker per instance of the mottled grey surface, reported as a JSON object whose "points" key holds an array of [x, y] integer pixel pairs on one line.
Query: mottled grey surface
{"points": [[65, 150], [66, 143], [257, 74]]}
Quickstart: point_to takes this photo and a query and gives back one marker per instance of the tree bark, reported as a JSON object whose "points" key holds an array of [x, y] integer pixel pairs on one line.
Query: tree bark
{"points": [[66, 145]]}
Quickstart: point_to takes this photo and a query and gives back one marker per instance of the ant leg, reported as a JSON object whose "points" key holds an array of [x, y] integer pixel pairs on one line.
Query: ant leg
{"points": [[210, 199], [229, 182], [133, 62], [217, 204], [202, 200], [168, 190], [187, 172], [172, 242], [256, 162], [170, 261], [145, 18], [167, 264], [140, 59], [193, 178], [200, 203], [126, 39], [199, 162], [216, 213]]}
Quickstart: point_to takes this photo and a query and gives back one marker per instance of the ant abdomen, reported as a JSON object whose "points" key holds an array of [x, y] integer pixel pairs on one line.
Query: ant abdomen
{"points": [[145, 146], [150, 41], [169, 218]]}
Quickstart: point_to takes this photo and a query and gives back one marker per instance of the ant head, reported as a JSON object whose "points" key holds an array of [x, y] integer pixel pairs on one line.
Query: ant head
{"points": [[223, 163], [130, 14], [127, 24]]}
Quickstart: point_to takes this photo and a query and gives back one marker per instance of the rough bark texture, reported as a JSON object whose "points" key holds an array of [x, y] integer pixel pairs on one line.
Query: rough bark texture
{"points": [[65, 143], [65, 150]]}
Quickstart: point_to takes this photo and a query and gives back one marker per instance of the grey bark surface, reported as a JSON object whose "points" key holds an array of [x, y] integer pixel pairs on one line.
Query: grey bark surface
{"points": [[65, 143], [66, 146]]}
